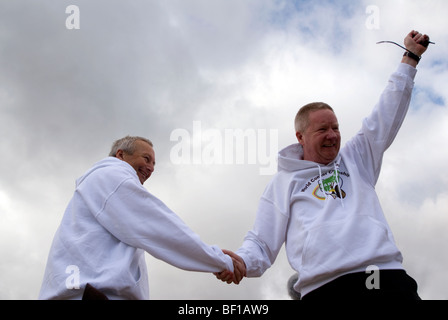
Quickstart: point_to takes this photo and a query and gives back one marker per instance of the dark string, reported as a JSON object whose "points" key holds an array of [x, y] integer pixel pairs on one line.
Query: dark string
{"points": [[402, 46]]}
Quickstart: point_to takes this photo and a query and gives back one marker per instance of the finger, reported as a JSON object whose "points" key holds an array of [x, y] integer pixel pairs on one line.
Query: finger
{"points": [[230, 253], [221, 275], [239, 271], [237, 274], [218, 275], [227, 276], [418, 37], [229, 279], [424, 41], [242, 267], [413, 33], [233, 255]]}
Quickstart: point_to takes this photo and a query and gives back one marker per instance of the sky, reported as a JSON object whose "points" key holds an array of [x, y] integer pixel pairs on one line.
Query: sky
{"points": [[190, 75]]}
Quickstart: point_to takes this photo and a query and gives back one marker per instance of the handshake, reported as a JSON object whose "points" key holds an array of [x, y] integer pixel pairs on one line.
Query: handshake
{"points": [[239, 269]]}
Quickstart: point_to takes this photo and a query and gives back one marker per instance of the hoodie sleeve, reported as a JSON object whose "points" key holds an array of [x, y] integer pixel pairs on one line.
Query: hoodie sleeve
{"points": [[139, 219], [380, 128], [263, 243]]}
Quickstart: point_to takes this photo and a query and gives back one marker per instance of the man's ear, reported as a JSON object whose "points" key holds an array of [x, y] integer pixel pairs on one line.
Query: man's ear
{"points": [[119, 154], [299, 136]]}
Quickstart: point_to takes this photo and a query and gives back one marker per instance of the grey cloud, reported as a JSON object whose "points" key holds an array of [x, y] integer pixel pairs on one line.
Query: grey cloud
{"points": [[150, 67]]}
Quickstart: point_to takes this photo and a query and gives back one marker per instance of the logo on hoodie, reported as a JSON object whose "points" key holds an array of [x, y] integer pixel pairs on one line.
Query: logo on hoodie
{"points": [[331, 186]]}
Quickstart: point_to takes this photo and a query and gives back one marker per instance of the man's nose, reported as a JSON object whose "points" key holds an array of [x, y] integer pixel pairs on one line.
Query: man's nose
{"points": [[331, 134]]}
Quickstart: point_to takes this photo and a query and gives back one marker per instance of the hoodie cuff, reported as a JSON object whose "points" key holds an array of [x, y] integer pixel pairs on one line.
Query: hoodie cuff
{"points": [[407, 70]]}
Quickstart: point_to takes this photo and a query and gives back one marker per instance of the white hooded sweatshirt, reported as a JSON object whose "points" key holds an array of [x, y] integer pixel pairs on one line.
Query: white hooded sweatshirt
{"points": [[329, 216], [108, 225]]}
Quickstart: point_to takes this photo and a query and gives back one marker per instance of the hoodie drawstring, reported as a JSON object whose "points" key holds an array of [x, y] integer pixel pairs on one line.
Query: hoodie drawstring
{"points": [[321, 183], [339, 185]]}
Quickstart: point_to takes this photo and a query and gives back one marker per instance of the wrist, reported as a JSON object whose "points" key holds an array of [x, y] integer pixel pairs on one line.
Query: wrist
{"points": [[411, 58]]}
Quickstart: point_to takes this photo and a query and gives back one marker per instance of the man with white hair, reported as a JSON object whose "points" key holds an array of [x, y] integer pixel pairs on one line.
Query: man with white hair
{"points": [[111, 220]]}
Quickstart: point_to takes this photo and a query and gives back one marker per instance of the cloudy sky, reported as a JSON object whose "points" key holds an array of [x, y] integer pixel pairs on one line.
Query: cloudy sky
{"points": [[187, 74]]}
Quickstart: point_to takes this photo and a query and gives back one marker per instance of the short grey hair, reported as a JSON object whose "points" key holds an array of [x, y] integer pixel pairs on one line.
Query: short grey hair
{"points": [[127, 144], [302, 119]]}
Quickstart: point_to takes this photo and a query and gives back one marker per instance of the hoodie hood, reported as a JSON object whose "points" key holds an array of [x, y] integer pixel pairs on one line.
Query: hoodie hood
{"points": [[291, 159], [106, 162]]}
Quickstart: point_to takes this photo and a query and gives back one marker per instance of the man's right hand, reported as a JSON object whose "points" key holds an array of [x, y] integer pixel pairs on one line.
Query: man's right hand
{"points": [[417, 43], [239, 269]]}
